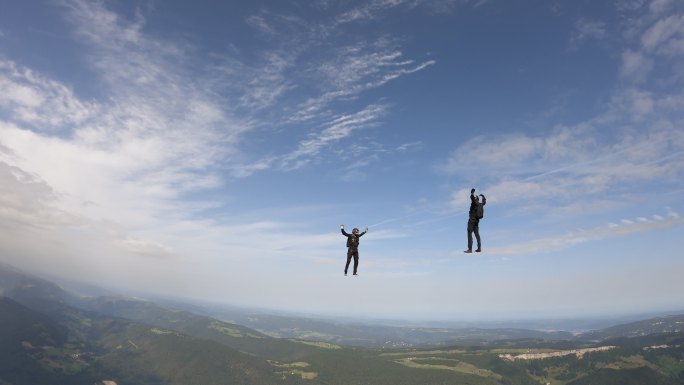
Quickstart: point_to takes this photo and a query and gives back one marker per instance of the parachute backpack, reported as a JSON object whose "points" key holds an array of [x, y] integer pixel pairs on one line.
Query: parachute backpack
{"points": [[479, 210]]}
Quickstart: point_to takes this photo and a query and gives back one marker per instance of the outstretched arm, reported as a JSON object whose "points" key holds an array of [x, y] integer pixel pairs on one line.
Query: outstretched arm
{"points": [[364, 232], [343, 232], [472, 195], [484, 200]]}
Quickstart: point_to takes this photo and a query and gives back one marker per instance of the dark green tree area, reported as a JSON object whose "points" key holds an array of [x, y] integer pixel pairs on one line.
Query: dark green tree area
{"points": [[511, 374], [636, 376], [33, 348]]}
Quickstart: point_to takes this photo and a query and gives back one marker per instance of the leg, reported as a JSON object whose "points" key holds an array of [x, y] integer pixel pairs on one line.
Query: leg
{"points": [[470, 234], [349, 257], [356, 260], [476, 229]]}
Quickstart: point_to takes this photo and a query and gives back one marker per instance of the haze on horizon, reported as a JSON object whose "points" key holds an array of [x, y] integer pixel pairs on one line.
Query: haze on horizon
{"points": [[210, 150]]}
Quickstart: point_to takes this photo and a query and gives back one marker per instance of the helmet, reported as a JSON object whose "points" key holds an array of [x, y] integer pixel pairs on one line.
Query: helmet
{"points": [[355, 231]]}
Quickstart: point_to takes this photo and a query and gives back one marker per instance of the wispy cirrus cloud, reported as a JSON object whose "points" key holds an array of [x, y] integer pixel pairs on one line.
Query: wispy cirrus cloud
{"points": [[585, 30], [334, 76], [611, 230], [309, 149], [357, 69], [372, 10], [338, 129], [375, 9], [629, 5], [327, 69]]}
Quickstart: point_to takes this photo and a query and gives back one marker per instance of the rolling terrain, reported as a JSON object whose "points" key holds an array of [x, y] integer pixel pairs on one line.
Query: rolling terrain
{"points": [[71, 347], [51, 336], [381, 336]]}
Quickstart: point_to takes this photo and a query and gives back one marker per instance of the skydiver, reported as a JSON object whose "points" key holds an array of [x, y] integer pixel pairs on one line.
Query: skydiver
{"points": [[352, 247], [474, 215]]}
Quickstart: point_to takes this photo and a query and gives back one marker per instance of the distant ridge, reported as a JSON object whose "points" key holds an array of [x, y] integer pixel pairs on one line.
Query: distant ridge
{"points": [[667, 324]]}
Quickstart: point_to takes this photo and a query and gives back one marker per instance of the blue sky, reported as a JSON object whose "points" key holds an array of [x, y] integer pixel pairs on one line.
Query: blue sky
{"points": [[210, 150]]}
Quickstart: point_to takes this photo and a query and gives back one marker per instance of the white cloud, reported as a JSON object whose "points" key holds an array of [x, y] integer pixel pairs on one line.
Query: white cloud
{"points": [[29, 203], [629, 5], [127, 161], [371, 10], [122, 53], [635, 66], [145, 248], [674, 47], [131, 158], [377, 9], [32, 99], [516, 153], [412, 146], [588, 29], [660, 6], [612, 230], [663, 31], [635, 102], [261, 24], [569, 170], [117, 174]]}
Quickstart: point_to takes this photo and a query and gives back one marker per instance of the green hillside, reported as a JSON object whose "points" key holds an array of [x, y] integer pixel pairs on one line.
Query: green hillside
{"points": [[36, 349], [134, 351], [93, 348], [312, 362], [637, 376], [235, 336], [44, 339]]}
